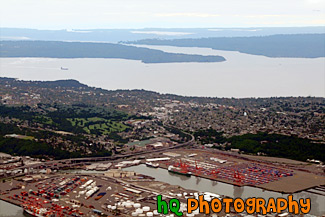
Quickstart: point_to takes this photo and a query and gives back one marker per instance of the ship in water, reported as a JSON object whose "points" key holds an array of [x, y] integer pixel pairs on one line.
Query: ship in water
{"points": [[179, 171], [62, 68], [35, 211], [150, 164]]}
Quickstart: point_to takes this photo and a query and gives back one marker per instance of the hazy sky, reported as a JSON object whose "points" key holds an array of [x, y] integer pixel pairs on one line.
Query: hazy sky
{"points": [[74, 14]]}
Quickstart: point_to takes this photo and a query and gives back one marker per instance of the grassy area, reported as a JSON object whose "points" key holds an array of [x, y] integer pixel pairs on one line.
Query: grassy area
{"points": [[27, 137], [76, 119], [95, 123], [44, 120]]}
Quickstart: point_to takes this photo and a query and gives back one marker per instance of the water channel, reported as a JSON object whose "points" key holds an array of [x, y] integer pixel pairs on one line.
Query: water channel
{"points": [[206, 185]]}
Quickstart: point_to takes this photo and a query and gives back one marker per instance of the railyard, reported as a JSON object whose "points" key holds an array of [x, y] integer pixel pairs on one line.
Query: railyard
{"points": [[89, 195]]}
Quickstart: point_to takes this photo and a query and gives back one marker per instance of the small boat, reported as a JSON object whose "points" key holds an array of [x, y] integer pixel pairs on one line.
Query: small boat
{"points": [[64, 68], [149, 164], [177, 170]]}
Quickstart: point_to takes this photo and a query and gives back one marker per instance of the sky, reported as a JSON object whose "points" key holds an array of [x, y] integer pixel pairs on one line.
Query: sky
{"points": [[105, 14]]}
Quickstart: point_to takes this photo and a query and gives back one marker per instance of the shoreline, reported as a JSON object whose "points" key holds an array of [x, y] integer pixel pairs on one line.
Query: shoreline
{"points": [[180, 90], [211, 179], [238, 185], [16, 203], [11, 202]]}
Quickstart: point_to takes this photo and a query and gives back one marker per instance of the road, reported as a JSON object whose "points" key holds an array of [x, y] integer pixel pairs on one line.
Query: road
{"points": [[57, 164]]}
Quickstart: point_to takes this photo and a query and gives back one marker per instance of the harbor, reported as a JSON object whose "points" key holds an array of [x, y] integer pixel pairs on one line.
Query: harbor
{"points": [[221, 188], [72, 193], [88, 187], [114, 193], [234, 169]]}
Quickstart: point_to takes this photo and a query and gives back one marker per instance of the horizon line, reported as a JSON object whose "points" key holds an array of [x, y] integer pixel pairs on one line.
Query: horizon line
{"points": [[191, 96], [125, 28]]}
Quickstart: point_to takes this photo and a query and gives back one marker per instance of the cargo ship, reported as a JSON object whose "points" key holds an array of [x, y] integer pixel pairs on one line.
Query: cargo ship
{"points": [[149, 164], [35, 211], [177, 170]]}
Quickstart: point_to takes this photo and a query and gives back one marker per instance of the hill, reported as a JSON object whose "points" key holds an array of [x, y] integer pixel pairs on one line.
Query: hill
{"points": [[70, 83], [56, 49], [297, 46], [116, 35], [289, 127]]}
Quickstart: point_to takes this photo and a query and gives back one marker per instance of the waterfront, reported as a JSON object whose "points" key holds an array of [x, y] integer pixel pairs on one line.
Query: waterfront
{"points": [[192, 183], [242, 75], [87, 195], [205, 185], [10, 210]]}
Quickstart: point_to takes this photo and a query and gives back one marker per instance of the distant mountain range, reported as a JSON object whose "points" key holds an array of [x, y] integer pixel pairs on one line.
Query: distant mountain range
{"points": [[56, 49], [300, 45], [116, 35], [309, 43]]}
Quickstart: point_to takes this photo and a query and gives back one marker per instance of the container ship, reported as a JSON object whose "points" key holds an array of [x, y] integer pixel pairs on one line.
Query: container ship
{"points": [[35, 211], [177, 170], [149, 164]]}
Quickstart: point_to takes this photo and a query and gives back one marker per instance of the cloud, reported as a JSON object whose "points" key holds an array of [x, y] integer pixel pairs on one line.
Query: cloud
{"points": [[320, 22], [271, 16], [241, 30], [78, 31], [14, 38], [314, 1], [162, 33], [186, 15]]}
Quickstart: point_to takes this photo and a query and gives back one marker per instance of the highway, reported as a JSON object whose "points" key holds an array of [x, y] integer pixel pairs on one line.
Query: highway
{"points": [[63, 163]]}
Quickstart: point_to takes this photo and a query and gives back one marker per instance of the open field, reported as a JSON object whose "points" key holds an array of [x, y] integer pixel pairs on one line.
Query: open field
{"points": [[96, 123]]}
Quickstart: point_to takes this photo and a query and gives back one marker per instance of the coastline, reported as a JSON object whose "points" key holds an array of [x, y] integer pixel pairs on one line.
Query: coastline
{"points": [[11, 202], [11, 208], [239, 185]]}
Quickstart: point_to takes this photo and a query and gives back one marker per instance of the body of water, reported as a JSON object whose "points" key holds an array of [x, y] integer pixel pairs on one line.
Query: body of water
{"points": [[9, 210], [242, 75], [206, 185]]}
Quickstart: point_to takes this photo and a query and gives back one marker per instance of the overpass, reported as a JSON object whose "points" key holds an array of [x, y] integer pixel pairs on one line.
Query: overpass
{"points": [[58, 164]]}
